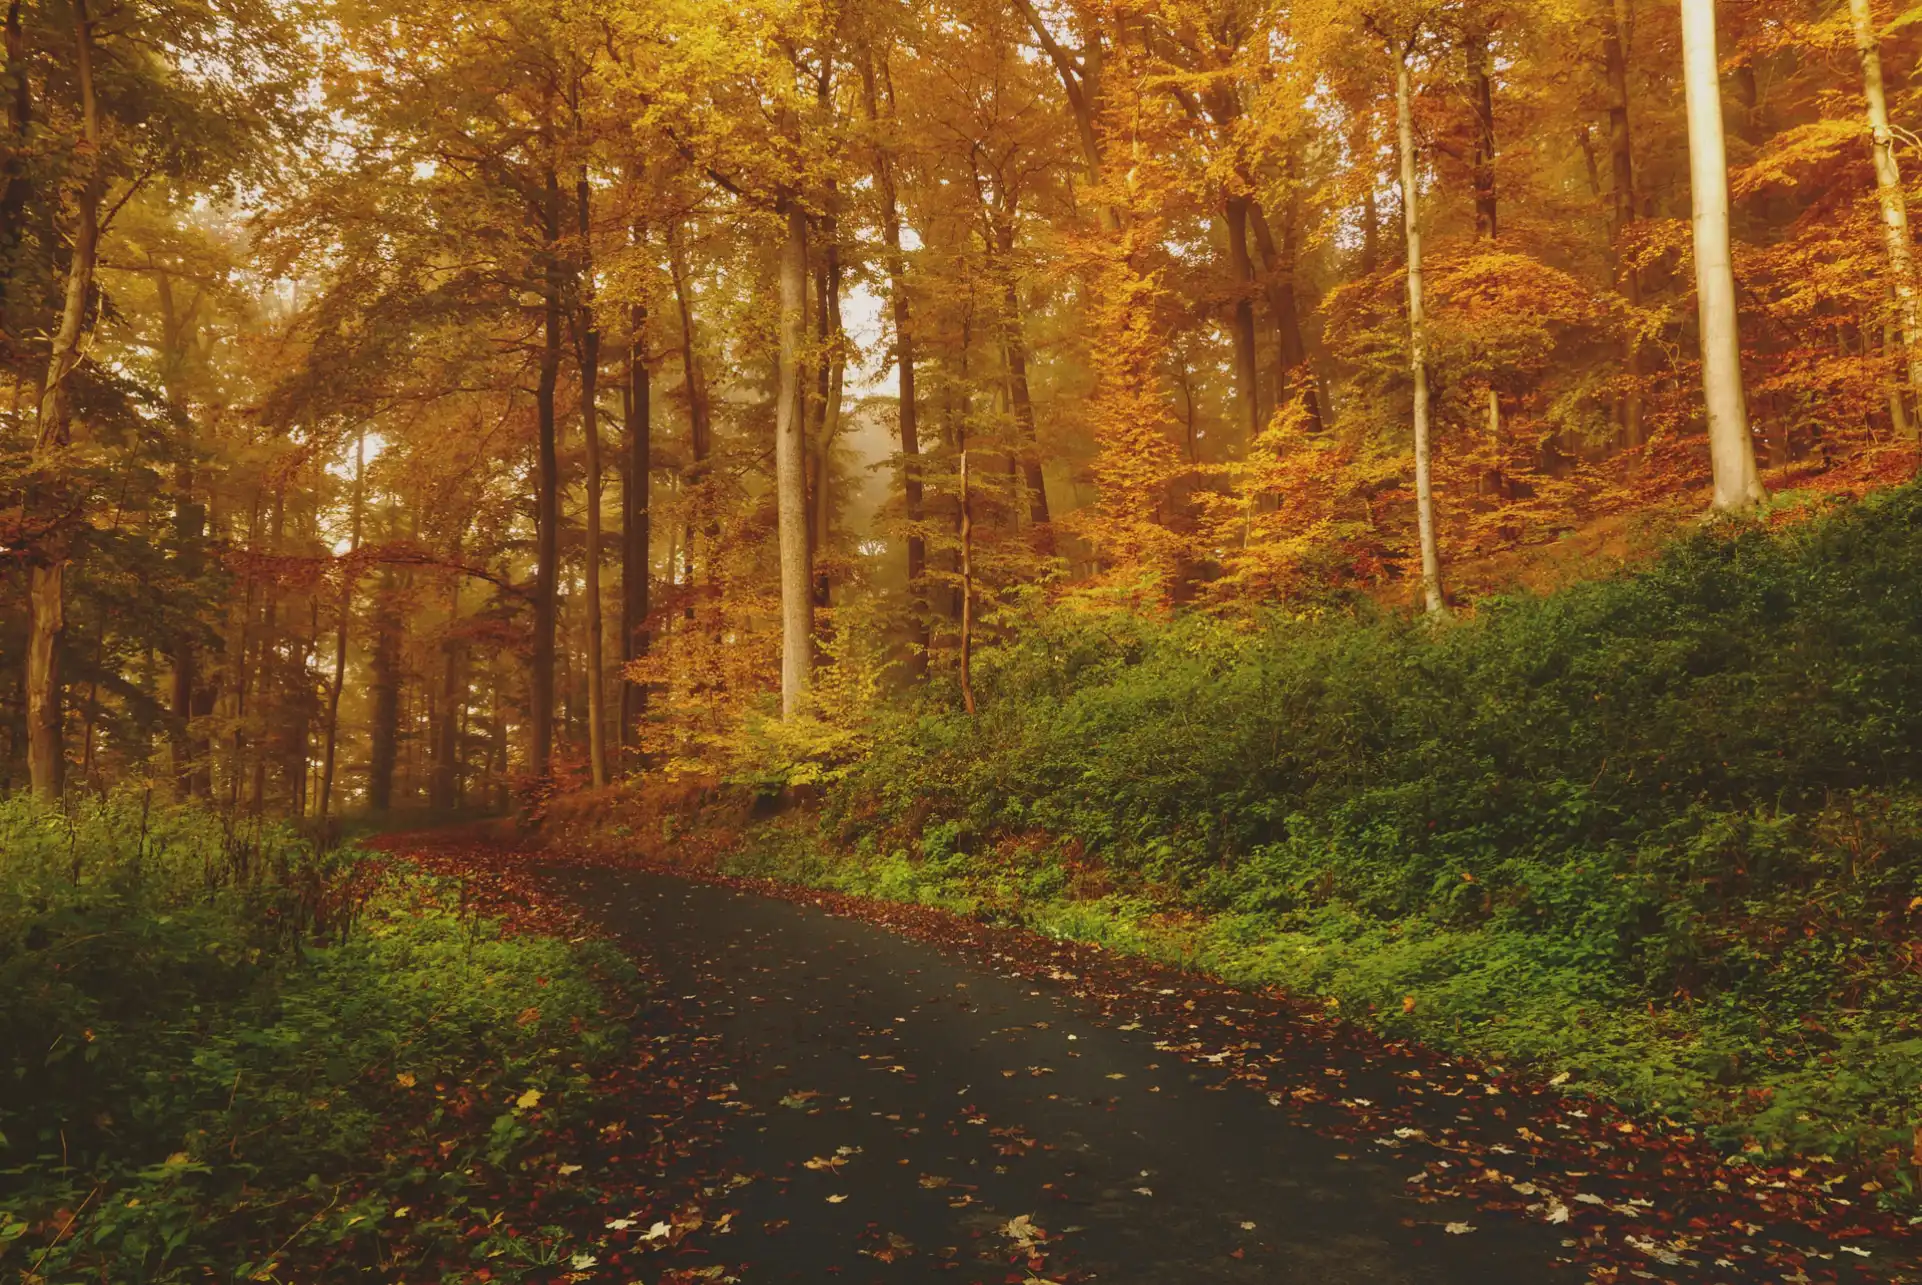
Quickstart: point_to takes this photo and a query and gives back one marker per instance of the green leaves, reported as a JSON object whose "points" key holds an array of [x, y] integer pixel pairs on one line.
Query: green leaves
{"points": [[1664, 826], [233, 1094]]}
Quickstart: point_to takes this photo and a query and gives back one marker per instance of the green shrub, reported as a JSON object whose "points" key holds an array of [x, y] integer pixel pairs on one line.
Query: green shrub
{"points": [[1663, 828], [217, 1051]]}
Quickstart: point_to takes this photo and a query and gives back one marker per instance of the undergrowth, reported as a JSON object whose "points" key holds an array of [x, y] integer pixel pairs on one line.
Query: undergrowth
{"points": [[1662, 831], [232, 1058]]}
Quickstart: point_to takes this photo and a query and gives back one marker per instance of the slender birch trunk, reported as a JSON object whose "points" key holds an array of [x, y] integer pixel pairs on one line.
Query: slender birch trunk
{"points": [[1894, 201], [790, 469], [1431, 582], [1731, 447]]}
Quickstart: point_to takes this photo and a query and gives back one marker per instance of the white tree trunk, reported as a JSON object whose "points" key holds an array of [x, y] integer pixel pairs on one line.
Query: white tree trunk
{"points": [[1431, 581], [1731, 446], [1888, 189], [790, 472]]}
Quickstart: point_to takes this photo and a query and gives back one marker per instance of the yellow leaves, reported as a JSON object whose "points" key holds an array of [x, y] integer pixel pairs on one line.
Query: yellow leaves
{"points": [[528, 1100], [1790, 155], [405, 1079]]}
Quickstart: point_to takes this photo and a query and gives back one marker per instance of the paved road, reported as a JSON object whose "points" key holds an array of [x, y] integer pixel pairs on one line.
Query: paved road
{"points": [[940, 1101]]}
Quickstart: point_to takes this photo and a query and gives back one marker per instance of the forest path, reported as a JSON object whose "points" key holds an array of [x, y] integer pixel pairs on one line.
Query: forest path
{"points": [[940, 1099]]}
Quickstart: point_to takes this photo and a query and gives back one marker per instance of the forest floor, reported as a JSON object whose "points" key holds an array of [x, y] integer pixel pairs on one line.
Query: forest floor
{"points": [[896, 1093]]}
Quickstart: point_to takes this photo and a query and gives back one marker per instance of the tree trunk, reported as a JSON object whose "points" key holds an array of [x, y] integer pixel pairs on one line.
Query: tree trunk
{"points": [[1475, 42], [384, 718], [1621, 155], [590, 358], [1731, 446], [1015, 350], [46, 573], [1431, 582], [636, 554], [1080, 73], [790, 469], [189, 521], [967, 586], [1888, 190], [443, 786], [907, 409], [1241, 273], [830, 382], [547, 514], [191, 753], [694, 380], [271, 690], [694, 387], [1293, 376], [1370, 230], [345, 610]]}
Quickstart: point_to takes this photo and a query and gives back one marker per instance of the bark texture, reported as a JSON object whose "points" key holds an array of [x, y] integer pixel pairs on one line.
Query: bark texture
{"points": [[790, 469], [1431, 581], [1738, 487]]}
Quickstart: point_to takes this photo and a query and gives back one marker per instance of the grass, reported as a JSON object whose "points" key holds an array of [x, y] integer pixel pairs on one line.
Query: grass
{"points": [[1661, 832], [242, 1060]]}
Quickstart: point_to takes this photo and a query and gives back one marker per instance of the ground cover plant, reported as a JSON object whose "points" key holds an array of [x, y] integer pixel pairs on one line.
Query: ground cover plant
{"points": [[233, 1057], [1658, 834]]}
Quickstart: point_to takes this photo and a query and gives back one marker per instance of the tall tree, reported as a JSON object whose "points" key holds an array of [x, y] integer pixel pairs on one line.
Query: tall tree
{"points": [[1617, 26], [547, 485], [636, 527], [1738, 487], [901, 312], [1891, 197], [343, 614], [46, 573], [589, 337], [790, 466]]}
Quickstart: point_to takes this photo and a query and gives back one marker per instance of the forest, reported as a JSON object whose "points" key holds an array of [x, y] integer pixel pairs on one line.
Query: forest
{"points": [[1399, 511]]}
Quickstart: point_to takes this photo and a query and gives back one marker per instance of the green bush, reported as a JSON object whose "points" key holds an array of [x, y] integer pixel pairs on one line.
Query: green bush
{"points": [[222, 1051], [1663, 828]]}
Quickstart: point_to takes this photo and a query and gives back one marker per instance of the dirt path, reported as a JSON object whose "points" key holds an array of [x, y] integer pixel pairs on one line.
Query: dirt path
{"points": [[905, 1105]]}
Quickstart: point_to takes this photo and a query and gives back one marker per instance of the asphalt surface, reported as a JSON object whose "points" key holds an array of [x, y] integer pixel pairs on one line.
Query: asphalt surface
{"points": [[909, 1113]]}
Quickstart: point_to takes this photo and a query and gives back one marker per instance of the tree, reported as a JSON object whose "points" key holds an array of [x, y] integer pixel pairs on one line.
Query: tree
{"points": [[1890, 194], [790, 469], [1402, 49], [1731, 447], [46, 574]]}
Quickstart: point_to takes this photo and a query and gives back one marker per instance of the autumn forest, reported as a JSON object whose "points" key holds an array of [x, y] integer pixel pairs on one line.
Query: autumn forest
{"points": [[1404, 505], [409, 406]]}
